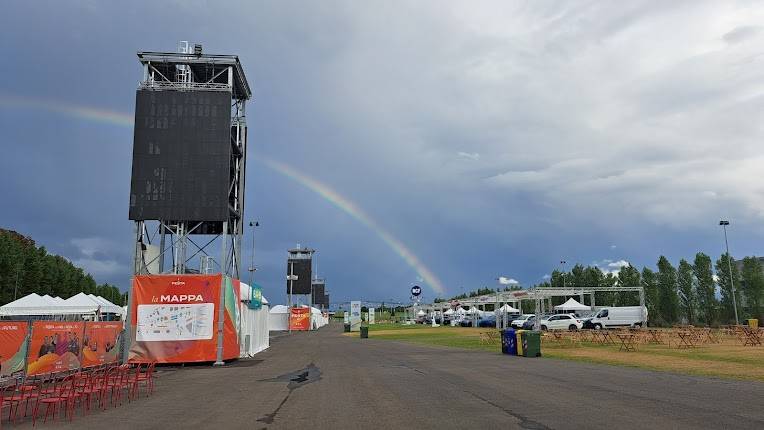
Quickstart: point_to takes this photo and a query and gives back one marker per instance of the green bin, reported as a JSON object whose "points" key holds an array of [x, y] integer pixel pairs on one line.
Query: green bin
{"points": [[531, 344], [364, 332], [347, 327]]}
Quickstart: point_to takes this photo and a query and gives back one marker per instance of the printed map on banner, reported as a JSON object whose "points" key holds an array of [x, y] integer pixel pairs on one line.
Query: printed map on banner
{"points": [[175, 322]]}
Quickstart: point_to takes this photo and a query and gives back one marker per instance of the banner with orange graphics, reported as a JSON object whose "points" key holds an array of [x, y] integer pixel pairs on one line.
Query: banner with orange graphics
{"points": [[299, 319], [173, 318], [13, 337], [100, 343], [232, 322], [54, 347]]}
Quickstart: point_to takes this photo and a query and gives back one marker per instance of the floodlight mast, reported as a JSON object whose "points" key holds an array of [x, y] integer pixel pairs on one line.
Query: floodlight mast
{"points": [[724, 224]]}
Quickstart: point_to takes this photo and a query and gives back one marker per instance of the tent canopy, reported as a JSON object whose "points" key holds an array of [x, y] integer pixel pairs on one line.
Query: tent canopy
{"points": [[279, 309], [508, 308], [34, 304], [572, 305]]}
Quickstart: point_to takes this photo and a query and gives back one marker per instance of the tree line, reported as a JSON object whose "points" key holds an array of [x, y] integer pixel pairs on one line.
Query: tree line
{"points": [[26, 268], [697, 292]]}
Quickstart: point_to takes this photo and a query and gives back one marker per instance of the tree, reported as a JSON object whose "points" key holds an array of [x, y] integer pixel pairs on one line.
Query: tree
{"points": [[577, 277], [33, 270], [705, 290], [650, 284], [628, 277], [556, 280], [685, 284], [726, 281], [752, 285], [668, 302]]}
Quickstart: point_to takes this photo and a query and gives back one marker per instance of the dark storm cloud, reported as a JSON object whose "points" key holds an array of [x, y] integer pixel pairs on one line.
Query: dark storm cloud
{"points": [[492, 139]]}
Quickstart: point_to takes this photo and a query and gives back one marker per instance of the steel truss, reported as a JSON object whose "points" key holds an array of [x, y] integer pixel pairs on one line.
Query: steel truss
{"points": [[180, 246]]}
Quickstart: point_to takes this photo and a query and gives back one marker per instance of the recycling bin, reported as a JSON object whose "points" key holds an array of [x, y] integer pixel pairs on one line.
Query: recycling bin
{"points": [[509, 342], [753, 323], [364, 332], [531, 343], [347, 327], [519, 341]]}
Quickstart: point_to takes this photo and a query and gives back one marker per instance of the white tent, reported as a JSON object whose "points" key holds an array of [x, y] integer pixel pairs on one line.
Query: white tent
{"points": [[278, 318], [508, 309], [317, 319], [421, 313], [253, 335], [80, 304], [572, 305], [106, 306], [449, 312]]}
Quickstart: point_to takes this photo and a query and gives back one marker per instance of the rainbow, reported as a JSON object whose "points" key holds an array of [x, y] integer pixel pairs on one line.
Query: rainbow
{"points": [[81, 112], [330, 195], [356, 212]]}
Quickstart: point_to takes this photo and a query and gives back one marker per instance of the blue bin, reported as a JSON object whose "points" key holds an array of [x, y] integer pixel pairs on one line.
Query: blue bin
{"points": [[509, 342]]}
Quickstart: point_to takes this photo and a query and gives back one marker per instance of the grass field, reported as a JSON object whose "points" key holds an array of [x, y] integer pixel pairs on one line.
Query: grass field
{"points": [[727, 360]]}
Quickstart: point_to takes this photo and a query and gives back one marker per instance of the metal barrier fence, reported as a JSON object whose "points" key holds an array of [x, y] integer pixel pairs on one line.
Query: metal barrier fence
{"points": [[37, 347]]}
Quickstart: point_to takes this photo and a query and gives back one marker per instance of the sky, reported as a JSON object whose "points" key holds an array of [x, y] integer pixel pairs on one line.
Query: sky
{"points": [[453, 145]]}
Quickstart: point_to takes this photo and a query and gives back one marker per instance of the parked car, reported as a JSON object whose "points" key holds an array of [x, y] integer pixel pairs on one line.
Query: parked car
{"points": [[561, 322], [487, 322], [529, 324], [621, 316], [518, 323], [586, 318]]}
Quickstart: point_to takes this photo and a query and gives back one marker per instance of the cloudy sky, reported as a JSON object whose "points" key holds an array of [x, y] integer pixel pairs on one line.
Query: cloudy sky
{"points": [[472, 140]]}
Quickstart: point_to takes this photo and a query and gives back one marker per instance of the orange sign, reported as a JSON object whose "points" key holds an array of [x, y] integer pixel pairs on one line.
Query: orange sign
{"points": [[100, 343], [55, 346], [174, 318], [299, 319], [13, 337]]}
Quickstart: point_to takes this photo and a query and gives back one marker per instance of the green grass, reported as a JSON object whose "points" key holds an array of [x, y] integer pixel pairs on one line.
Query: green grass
{"points": [[726, 361]]}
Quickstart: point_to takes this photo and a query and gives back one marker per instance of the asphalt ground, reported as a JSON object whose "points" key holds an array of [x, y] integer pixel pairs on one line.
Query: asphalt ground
{"points": [[323, 380]]}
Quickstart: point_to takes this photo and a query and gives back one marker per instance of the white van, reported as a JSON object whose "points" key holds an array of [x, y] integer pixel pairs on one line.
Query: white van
{"points": [[623, 316]]}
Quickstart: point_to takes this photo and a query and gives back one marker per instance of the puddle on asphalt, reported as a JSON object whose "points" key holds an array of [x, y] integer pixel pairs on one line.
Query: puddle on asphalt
{"points": [[294, 380]]}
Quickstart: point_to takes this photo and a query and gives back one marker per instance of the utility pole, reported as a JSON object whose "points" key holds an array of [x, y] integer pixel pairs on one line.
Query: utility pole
{"points": [[252, 260], [563, 262], [724, 224], [16, 289]]}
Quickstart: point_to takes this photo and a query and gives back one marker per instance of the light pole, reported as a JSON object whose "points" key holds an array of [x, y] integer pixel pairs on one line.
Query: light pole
{"points": [[562, 263], [724, 224], [252, 268], [16, 288]]}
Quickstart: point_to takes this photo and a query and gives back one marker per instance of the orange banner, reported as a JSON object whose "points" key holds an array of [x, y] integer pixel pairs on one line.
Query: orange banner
{"points": [[174, 318], [299, 319], [100, 343], [55, 346], [13, 337]]}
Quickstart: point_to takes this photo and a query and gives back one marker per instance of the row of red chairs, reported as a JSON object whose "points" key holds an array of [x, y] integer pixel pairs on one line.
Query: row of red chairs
{"points": [[63, 391]]}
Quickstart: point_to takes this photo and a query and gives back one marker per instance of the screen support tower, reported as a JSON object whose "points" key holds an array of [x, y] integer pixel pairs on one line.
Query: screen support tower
{"points": [[173, 231], [166, 246]]}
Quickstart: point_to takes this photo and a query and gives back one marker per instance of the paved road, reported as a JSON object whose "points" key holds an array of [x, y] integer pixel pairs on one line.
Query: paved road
{"points": [[326, 380]]}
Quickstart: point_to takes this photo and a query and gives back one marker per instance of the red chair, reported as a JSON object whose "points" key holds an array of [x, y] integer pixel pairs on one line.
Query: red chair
{"points": [[133, 381], [57, 393], [146, 378], [118, 382], [12, 398], [91, 387]]}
